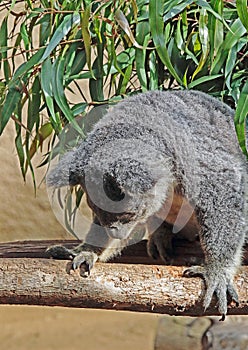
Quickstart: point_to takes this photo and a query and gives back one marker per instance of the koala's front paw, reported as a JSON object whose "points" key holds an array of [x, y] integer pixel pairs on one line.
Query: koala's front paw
{"points": [[160, 245], [217, 282], [83, 260]]}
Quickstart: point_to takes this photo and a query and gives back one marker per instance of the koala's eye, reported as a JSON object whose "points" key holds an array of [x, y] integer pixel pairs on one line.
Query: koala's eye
{"points": [[112, 189]]}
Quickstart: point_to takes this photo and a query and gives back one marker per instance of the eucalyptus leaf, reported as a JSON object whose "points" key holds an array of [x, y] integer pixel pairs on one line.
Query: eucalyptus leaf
{"points": [[158, 35]]}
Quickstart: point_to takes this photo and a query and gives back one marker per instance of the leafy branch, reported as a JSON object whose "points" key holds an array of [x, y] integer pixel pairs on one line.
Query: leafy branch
{"points": [[102, 51]]}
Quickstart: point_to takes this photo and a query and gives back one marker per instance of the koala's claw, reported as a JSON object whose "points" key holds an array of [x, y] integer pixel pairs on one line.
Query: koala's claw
{"points": [[216, 283], [194, 271], [84, 261]]}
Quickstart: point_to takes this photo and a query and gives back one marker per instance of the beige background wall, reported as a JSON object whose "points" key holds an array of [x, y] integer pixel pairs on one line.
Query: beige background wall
{"points": [[22, 214]]}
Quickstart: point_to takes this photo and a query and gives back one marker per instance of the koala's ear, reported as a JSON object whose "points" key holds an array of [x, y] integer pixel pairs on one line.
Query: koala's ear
{"points": [[59, 176], [112, 188]]}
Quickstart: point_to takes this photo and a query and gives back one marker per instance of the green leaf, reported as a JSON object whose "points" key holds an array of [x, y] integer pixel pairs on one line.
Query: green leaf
{"points": [[62, 30], [125, 80], [204, 40], [79, 194], [4, 48], [123, 23], [34, 104], [232, 37], [240, 118], [142, 37], [58, 69], [85, 16], [79, 62], [241, 134], [19, 145], [205, 5], [178, 36], [79, 108], [12, 99], [158, 36], [45, 28], [46, 85], [242, 106], [203, 80], [231, 62], [96, 83], [26, 67], [25, 36], [243, 12], [42, 134], [216, 29], [174, 8], [33, 118], [75, 58], [153, 67]]}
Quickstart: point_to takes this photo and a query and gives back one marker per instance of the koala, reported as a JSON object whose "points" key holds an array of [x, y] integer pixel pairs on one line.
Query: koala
{"points": [[160, 163]]}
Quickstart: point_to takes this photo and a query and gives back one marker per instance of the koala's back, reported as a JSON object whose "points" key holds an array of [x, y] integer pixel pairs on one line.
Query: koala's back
{"points": [[158, 114], [194, 129], [192, 111]]}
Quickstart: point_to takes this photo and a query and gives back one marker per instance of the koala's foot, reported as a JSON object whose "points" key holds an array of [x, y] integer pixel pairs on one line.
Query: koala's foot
{"points": [[83, 260], [160, 245], [218, 283]]}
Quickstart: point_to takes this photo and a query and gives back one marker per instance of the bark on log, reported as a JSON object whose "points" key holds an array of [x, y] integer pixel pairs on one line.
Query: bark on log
{"points": [[144, 288]]}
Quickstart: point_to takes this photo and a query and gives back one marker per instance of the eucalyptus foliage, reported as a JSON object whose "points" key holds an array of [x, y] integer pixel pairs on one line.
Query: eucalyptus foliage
{"points": [[104, 50]]}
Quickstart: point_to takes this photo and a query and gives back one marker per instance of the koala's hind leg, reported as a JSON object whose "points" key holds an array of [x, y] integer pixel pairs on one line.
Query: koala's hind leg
{"points": [[160, 241], [176, 213], [221, 216]]}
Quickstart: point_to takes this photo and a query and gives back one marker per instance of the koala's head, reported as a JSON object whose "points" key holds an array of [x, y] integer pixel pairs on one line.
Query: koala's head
{"points": [[123, 194]]}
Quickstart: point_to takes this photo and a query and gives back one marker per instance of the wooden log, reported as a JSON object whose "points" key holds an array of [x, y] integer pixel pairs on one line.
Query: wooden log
{"points": [[201, 333], [231, 334], [143, 288]]}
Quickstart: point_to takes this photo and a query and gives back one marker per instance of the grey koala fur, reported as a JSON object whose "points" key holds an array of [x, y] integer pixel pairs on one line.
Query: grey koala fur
{"points": [[146, 153]]}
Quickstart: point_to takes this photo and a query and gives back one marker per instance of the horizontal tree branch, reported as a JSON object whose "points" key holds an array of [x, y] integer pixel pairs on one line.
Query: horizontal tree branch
{"points": [[134, 282], [144, 288]]}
